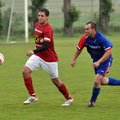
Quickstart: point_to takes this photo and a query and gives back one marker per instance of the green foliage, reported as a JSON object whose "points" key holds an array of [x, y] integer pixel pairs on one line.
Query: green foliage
{"points": [[73, 16], [73, 13], [102, 19], [114, 28], [36, 5], [6, 18], [17, 23], [1, 24], [107, 7]]}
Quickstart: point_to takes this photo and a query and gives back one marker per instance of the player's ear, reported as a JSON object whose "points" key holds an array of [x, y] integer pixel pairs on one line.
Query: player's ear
{"points": [[47, 17]]}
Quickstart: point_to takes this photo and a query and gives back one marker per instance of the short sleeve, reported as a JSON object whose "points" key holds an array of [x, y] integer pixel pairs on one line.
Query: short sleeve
{"points": [[81, 43], [106, 44], [47, 35]]}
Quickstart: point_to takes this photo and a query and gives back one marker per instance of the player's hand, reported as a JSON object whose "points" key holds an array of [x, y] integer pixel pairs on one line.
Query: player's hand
{"points": [[96, 64], [73, 62], [29, 53]]}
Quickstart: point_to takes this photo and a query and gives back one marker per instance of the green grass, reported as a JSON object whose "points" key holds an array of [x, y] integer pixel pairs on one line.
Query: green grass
{"points": [[79, 81]]}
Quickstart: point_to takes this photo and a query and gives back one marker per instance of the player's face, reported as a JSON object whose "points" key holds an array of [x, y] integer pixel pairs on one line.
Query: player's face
{"points": [[89, 30], [42, 18]]}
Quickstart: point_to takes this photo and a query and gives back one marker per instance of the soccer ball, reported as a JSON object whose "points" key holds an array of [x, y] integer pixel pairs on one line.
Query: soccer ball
{"points": [[1, 58]]}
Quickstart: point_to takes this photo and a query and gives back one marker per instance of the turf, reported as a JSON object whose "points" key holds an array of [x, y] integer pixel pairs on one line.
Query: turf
{"points": [[79, 81]]}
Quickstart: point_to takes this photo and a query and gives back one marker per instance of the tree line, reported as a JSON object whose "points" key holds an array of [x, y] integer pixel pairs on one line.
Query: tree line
{"points": [[71, 14]]}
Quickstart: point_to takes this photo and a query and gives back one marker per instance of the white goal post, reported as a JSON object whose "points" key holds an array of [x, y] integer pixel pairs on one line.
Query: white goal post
{"points": [[10, 21], [25, 20]]}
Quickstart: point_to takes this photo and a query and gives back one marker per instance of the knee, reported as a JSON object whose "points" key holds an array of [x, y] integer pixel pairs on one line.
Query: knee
{"points": [[102, 83], [57, 82], [26, 72], [96, 82]]}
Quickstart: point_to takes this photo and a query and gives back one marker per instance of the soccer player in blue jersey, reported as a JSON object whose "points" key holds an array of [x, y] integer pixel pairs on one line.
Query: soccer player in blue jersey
{"points": [[100, 50]]}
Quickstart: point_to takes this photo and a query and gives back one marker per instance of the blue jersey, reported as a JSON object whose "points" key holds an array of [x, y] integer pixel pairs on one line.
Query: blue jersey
{"points": [[96, 47]]}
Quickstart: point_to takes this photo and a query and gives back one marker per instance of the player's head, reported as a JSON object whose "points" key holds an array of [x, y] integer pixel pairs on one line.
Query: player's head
{"points": [[90, 29], [43, 16], [46, 11], [93, 24]]}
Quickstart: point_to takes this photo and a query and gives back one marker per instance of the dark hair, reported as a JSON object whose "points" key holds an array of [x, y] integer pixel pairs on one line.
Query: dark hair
{"points": [[46, 11], [93, 24]]}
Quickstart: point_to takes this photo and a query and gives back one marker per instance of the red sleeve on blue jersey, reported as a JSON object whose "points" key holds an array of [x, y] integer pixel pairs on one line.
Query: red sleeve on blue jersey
{"points": [[107, 49], [81, 43]]}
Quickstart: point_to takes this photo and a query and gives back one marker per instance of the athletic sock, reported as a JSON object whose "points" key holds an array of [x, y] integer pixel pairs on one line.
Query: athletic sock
{"points": [[113, 81], [95, 93], [29, 86], [34, 95], [64, 91]]}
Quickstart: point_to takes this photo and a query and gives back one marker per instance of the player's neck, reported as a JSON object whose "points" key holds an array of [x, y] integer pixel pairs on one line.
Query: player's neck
{"points": [[41, 24], [93, 35]]}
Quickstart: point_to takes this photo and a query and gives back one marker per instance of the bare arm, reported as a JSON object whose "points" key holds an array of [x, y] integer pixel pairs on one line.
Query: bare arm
{"points": [[77, 53], [106, 55]]}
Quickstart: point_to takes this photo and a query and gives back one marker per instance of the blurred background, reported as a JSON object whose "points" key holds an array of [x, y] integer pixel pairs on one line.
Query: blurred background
{"points": [[85, 10]]}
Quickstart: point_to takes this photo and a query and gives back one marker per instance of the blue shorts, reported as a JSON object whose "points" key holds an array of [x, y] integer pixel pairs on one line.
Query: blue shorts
{"points": [[103, 69]]}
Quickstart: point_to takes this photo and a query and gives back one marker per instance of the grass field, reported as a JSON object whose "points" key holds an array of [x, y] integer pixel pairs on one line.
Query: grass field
{"points": [[79, 82]]}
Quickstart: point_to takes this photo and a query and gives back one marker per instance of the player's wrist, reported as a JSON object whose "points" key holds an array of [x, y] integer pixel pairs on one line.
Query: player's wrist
{"points": [[99, 61], [33, 51]]}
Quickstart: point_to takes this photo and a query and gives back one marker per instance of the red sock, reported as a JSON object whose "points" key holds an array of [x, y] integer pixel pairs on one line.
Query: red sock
{"points": [[64, 91], [29, 86]]}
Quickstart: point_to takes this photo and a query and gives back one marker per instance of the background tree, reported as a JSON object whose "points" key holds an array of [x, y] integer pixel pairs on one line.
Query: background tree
{"points": [[6, 18], [105, 10], [70, 16], [1, 25], [35, 7]]}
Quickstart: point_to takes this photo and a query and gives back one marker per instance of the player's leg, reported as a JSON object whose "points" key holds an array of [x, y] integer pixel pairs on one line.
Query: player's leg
{"points": [[28, 80], [62, 88], [28, 68], [110, 81], [29, 85], [52, 69], [96, 90], [100, 79], [113, 81]]}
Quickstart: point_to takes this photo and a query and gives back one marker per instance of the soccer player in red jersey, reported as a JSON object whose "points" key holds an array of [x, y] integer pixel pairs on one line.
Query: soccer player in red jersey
{"points": [[45, 57]]}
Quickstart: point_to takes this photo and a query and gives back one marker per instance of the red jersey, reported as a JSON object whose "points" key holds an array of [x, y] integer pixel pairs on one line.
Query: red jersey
{"points": [[45, 33]]}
